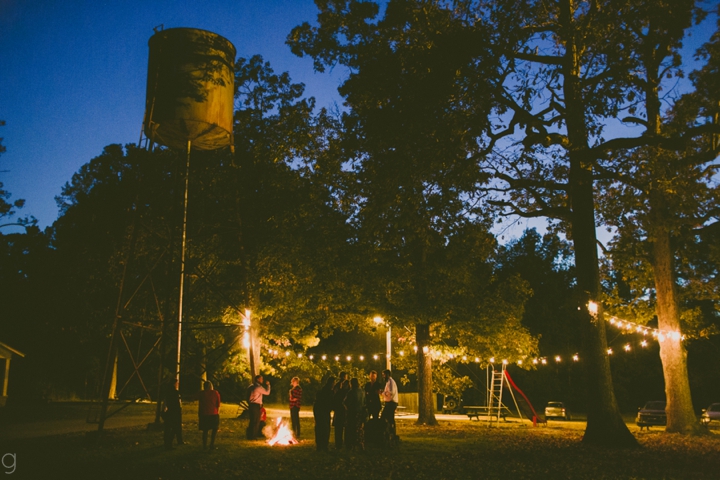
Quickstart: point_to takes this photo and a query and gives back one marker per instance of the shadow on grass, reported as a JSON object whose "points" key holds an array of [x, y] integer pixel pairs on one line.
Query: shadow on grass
{"points": [[454, 450]]}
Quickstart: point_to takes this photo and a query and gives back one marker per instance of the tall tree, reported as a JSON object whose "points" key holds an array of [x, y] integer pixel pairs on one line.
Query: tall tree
{"points": [[409, 134], [6, 208], [665, 190]]}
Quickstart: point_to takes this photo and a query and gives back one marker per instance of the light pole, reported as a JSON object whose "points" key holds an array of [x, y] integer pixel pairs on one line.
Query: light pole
{"points": [[388, 342]]}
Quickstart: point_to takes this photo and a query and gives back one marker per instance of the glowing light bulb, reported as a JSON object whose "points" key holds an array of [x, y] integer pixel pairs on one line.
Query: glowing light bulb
{"points": [[311, 357], [627, 347], [299, 355], [402, 353], [426, 349], [415, 348], [592, 308], [609, 351], [557, 358], [348, 358], [505, 362], [492, 359], [543, 361], [675, 336], [519, 362], [287, 354], [464, 358], [375, 357], [576, 358], [324, 357], [643, 343], [337, 358], [535, 361], [477, 360], [661, 337]]}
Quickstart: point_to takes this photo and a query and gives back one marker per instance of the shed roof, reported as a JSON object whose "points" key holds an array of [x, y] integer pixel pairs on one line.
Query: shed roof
{"points": [[7, 351]]}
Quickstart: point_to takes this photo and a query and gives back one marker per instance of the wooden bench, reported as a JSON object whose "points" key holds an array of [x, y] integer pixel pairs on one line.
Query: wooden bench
{"points": [[477, 411]]}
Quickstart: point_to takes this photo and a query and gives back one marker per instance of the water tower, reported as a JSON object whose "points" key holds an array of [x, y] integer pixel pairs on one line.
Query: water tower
{"points": [[189, 105], [190, 89]]}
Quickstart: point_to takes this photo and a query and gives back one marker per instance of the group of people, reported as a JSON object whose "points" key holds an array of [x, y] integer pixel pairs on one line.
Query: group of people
{"points": [[351, 407], [341, 404]]}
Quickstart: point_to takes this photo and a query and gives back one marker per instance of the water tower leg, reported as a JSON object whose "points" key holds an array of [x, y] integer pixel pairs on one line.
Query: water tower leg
{"points": [[182, 262]]}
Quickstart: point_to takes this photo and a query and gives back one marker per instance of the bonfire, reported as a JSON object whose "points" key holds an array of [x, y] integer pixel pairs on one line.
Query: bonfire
{"points": [[283, 435]]}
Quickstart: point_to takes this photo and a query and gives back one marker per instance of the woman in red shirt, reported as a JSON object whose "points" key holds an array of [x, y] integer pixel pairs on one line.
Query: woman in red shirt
{"points": [[209, 413]]}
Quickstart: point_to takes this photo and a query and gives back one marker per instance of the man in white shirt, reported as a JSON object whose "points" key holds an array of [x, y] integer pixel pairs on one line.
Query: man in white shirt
{"points": [[391, 397], [255, 401]]}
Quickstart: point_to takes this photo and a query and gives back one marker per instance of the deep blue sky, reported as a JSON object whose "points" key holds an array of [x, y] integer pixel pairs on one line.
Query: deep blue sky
{"points": [[73, 73]]}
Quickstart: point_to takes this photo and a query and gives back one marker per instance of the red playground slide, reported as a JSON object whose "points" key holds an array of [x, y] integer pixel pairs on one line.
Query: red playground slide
{"points": [[535, 415]]}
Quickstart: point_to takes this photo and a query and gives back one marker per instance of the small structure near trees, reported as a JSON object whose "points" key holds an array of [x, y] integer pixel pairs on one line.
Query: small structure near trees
{"points": [[6, 354]]}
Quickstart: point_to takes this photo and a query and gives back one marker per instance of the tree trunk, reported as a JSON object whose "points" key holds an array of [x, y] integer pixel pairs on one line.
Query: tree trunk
{"points": [[254, 352], [203, 368], [605, 425], [426, 404], [680, 414]]}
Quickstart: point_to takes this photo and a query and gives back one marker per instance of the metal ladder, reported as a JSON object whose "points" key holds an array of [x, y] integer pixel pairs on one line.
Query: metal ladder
{"points": [[496, 382]]}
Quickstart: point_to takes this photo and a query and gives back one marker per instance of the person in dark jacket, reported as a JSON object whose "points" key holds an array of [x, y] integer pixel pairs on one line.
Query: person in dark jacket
{"points": [[342, 387], [356, 417], [321, 411], [172, 415], [373, 388]]}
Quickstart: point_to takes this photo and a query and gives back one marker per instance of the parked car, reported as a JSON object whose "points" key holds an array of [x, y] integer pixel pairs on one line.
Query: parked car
{"points": [[451, 405], [710, 413], [557, 410], [653, 413]]}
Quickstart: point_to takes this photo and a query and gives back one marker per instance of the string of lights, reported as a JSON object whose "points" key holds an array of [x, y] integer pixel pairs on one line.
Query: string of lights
{"points": [[631, 327], [625, 326], [442, 356]]}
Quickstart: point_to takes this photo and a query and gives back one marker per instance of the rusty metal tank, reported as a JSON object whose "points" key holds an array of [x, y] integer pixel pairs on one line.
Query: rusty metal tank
{"points": [[190, 89]]}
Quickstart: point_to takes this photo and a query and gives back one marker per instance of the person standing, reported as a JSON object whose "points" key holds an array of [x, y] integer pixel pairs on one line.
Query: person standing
{"points": [[172, 415], [255, 403], [391, 397], [356, 417], [321, 411], [209, 413], [373, 388], [342, 387], [295, 403]]}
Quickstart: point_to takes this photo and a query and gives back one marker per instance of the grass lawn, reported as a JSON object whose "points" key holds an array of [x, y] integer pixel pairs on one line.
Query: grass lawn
{"points": [[457, 450]]}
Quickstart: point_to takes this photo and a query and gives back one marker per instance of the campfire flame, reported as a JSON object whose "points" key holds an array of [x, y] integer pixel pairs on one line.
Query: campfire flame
{"points": [[283, 435]]}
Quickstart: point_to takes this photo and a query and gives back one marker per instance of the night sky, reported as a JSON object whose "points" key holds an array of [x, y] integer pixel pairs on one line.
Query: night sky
{"points": [[73, 75]]}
